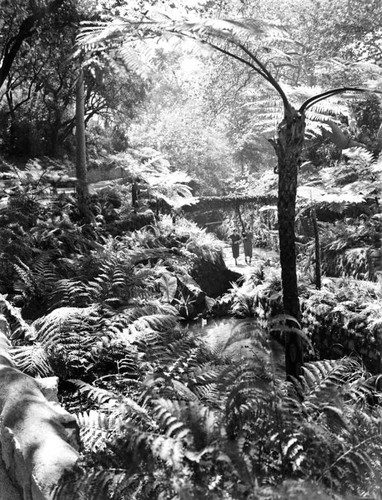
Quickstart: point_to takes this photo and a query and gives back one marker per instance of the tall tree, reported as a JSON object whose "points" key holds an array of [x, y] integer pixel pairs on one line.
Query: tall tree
{"points": [[81, 168], [234, 39]]}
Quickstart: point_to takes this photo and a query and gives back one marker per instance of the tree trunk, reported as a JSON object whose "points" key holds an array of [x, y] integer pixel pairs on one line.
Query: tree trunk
{"points": [[288, 146], [237, 208], [317, 251], [134, 193], [81, 168]]}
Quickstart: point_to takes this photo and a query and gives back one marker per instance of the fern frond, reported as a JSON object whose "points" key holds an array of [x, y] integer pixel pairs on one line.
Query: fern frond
{"points": [[323, 374], [101, 396], [37, 279], [69, 292], [167, 414], [44, 268], [284, 323], [64, 324], [238, 29], [359, 156], [96, 429], [140, 59], [83, 484], [248, 330], [32, 359], [158, 322]]}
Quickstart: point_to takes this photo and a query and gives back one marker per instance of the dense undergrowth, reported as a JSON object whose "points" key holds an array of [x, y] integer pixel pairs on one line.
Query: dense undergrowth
{"points": [[161, 413]]}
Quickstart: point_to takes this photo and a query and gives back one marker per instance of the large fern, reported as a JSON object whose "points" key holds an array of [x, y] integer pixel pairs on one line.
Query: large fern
{"points": [[68, 331], [334, 399]]}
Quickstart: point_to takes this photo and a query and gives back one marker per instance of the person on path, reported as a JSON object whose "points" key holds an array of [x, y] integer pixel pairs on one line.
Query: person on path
{"points": [[235, 244], [247, 236]]}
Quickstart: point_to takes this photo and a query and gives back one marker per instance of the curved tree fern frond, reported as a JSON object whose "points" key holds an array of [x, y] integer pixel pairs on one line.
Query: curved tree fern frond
{"points": [[211, 32], [312, 101]]}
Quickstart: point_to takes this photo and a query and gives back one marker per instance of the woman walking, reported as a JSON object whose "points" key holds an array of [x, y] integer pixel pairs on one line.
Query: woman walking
{"points": [[248, 244], [235, 244]]}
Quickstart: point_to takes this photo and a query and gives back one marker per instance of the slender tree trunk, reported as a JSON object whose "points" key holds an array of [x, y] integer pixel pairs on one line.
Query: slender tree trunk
{"points": [[317, 251], [81, 167], [237, 208], [134, 193], [288, 146]]}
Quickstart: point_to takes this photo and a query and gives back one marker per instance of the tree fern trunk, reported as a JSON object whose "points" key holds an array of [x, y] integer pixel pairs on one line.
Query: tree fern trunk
{"points": [[288, 146], [317, 251], [81, 168]]}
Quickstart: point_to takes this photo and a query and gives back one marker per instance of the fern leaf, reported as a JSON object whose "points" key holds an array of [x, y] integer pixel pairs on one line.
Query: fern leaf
{"points": [[170, 450], [101, 396], [96, 428], [32, 359], [159, 322]]}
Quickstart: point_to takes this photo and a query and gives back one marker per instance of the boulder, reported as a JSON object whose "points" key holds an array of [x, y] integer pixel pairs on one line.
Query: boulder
{"points": [[37, 437], [213, 277]]}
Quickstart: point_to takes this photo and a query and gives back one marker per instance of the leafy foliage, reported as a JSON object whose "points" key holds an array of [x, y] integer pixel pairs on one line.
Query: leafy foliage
{"points": [[217, 446]]}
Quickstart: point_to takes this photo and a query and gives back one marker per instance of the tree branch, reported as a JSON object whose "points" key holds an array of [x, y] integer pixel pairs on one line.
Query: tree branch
{"points": [[26, 30]]}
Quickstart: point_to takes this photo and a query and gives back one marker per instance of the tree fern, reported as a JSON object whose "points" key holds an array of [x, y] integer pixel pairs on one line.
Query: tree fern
{"points": [[268, 112]]}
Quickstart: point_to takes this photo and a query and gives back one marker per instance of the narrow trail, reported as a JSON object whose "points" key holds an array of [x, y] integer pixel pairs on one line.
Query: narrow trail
{"points": [[242, 267]]}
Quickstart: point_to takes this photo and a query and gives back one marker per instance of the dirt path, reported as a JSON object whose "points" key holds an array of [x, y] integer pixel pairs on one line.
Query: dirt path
{"points": [[242, 267]]}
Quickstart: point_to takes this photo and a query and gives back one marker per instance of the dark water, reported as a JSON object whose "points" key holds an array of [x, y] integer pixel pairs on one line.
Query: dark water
{"points": [[241, 338]]}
